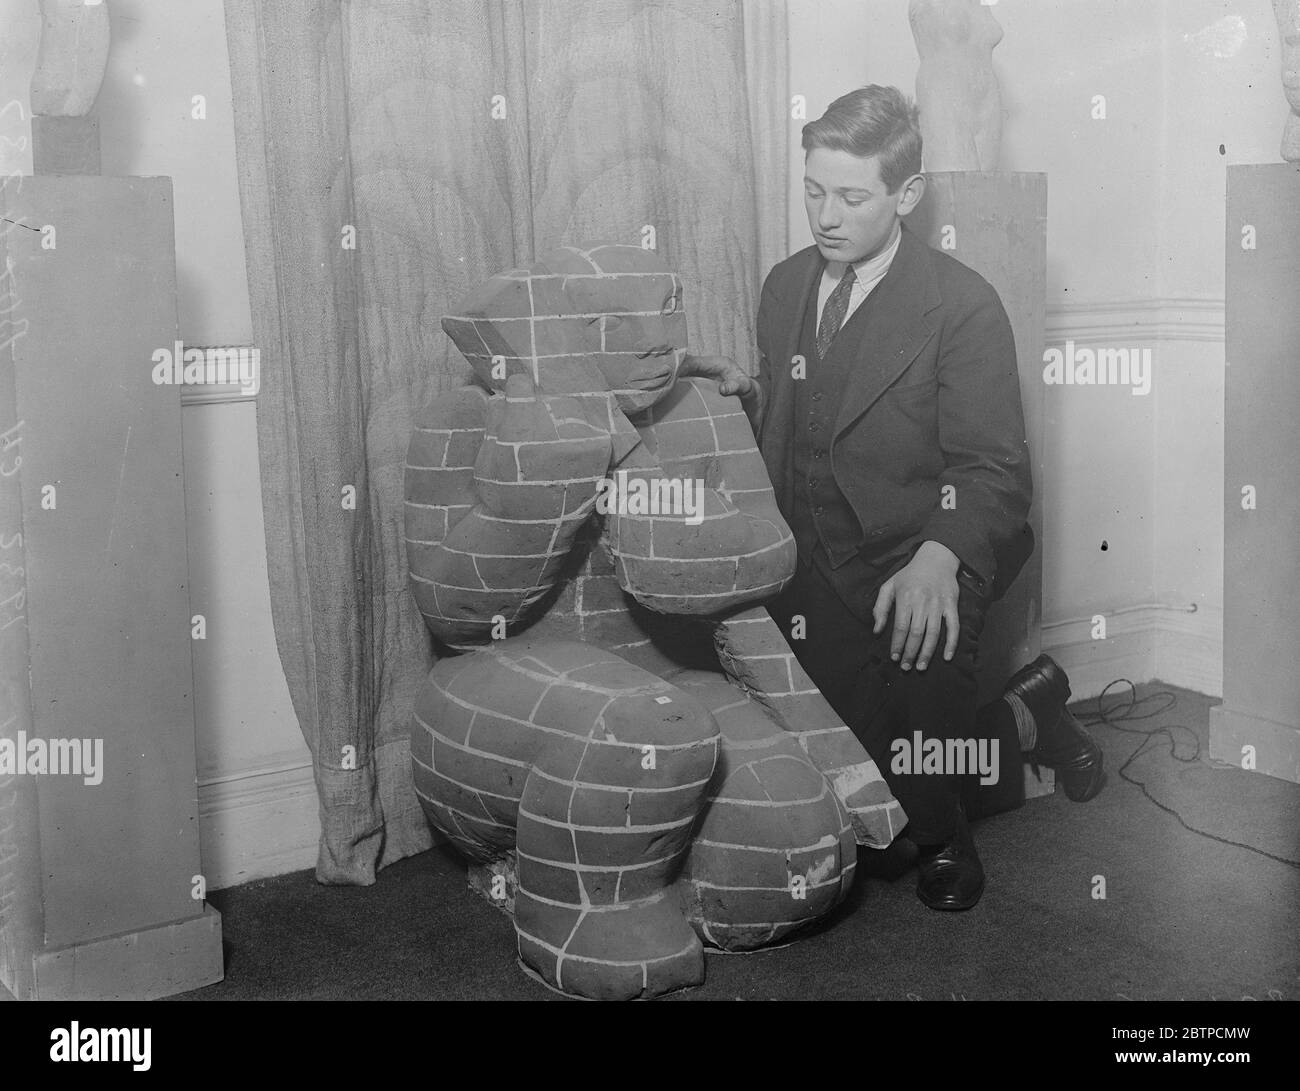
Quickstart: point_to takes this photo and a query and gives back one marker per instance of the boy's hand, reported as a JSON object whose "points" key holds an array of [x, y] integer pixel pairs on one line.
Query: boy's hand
{"points": [[923, 594], [730, 379]]}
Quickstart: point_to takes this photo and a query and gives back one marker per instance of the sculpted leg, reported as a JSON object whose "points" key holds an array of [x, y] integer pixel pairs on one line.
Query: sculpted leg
{"points": [[774, 849], [757, 657], [595, 770]]}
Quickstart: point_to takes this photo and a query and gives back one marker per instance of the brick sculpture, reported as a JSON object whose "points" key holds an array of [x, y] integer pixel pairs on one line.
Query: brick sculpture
{"points": [[625, 747]]}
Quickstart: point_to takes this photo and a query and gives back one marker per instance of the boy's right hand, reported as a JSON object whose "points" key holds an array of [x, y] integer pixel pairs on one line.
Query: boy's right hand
{"points": [[730, 379]]}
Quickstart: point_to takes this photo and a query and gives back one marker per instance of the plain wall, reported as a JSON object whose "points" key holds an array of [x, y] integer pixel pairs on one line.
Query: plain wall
{"points": [[1135, 258]]}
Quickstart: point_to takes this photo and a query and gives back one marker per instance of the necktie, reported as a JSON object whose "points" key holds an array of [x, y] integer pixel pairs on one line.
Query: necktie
{"points": [[833, 314]]}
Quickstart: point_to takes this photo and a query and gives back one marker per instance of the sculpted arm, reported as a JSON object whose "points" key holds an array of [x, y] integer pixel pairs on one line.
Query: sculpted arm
{"points": [[496, 490], [735, 548]]}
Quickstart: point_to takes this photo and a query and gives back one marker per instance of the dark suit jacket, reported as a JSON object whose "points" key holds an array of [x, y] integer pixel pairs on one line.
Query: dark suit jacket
{"points": [[933, 400]]}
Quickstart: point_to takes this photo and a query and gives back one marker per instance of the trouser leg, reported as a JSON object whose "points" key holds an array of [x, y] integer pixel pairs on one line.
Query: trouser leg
{"points": [[995, 721], [905, 712], [885, 705]]}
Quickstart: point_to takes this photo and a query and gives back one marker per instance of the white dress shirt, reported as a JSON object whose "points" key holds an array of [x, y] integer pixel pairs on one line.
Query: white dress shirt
{"points": [[870, 272]]}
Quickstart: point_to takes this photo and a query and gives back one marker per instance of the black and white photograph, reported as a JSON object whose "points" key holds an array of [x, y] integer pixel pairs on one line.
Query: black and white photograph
{"points": [[730, 500]]}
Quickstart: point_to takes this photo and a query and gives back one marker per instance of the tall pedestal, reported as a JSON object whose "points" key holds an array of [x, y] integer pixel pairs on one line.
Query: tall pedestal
{"points": [[101, 890], [1258, 724], [996, 223]]}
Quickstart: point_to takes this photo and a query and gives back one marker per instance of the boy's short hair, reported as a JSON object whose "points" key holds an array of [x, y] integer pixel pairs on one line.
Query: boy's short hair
{"points": [[872, 120]]}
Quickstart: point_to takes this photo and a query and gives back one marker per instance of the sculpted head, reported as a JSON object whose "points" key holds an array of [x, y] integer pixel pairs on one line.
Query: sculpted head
{"points": [[579, 320]]}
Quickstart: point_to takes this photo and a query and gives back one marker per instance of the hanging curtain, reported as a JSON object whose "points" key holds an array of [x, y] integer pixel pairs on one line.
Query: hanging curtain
{"points": [[392, 154]]}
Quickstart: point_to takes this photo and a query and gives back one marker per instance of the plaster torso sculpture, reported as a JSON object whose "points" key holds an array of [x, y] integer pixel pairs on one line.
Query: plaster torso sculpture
{"points": [[53, 54], [639, 750], [72, 58], [956, 90], [1288, 26]]}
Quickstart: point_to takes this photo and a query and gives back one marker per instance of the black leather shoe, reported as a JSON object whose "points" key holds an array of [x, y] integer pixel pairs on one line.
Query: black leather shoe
{"points": [[951, 876], [1044, 688], [1066, 747], [1063, 744]]}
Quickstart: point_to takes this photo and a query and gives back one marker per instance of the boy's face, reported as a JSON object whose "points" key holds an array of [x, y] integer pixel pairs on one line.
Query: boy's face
{"points": [[850, 213]]}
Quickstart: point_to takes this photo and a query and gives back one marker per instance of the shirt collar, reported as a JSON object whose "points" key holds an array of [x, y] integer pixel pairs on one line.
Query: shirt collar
{"points": [[872, 269]]}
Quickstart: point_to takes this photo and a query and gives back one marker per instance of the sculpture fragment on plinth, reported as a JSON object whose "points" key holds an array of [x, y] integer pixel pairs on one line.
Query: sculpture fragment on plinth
{"points": [[957, 91]]}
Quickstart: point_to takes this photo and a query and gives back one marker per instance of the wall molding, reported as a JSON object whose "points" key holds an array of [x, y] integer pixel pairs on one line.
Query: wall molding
{"points": [[1143, 643], [258, 822], [1160, 319], [216, 393], [1277, 746]]}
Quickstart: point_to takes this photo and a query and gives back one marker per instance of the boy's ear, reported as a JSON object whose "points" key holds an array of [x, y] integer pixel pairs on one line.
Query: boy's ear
{"points": [[910, 194]]}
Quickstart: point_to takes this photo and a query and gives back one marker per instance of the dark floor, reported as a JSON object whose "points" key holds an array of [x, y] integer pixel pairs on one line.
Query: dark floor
{"points": [[1184, 917]]}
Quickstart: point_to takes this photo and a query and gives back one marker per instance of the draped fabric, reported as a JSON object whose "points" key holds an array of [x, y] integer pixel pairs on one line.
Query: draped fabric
{"points": [[392, 154]]}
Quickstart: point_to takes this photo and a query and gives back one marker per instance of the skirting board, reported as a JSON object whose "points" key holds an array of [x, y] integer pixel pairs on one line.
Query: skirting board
{"points": [[258, 823], [1277, 746], [1142, 644], [159, 961]]}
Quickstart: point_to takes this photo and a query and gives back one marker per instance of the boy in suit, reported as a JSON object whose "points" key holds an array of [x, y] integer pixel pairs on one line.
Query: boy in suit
{"points": [[887, 408]]}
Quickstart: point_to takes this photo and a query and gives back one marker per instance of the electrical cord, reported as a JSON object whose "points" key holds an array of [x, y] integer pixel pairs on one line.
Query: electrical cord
{"points": [[1109, 718]]}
